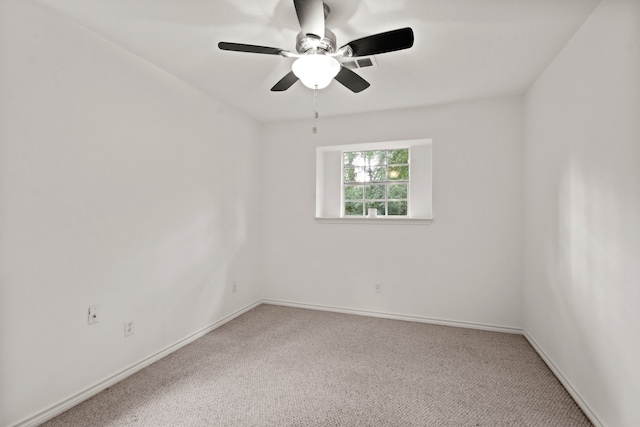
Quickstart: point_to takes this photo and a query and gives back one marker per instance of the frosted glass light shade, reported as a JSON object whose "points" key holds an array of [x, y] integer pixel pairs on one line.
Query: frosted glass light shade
{"points": [[316, 71]]}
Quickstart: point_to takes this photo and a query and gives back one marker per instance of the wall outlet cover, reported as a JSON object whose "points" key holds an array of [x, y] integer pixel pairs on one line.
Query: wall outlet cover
{"points": [[93, 315], [128, 328]]}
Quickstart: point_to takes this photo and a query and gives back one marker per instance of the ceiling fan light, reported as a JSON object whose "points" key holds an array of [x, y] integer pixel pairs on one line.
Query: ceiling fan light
{"points": [[316, 71]]}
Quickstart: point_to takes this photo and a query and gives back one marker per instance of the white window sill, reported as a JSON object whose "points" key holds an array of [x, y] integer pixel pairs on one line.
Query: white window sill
{"points": [[377, 220]]}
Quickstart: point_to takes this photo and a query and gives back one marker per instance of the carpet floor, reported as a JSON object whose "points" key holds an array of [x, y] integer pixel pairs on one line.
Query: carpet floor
{"points": [[280, 366]]}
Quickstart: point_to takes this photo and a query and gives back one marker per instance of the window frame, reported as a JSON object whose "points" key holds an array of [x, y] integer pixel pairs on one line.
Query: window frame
{"points": [[330, 182], [364, 184]]}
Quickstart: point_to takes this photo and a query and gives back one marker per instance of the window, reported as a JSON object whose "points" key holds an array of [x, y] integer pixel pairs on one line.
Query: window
{"points": [[376, 179], [392, 176]]}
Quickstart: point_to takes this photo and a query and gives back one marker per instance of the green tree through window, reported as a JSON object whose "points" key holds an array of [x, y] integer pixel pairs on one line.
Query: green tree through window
{"points": [[376, 179]]}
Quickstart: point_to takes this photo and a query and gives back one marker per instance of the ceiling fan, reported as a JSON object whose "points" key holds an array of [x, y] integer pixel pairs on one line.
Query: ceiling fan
{"points": [[318, 58]]}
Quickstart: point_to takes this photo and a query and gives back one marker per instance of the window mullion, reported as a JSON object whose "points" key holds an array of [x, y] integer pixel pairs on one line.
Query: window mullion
{"points": [[367, 166]]}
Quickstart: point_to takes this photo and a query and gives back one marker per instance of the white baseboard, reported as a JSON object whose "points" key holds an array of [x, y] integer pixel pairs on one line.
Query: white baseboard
{"points": [[420, 319], [66, 404], [565, 382]]}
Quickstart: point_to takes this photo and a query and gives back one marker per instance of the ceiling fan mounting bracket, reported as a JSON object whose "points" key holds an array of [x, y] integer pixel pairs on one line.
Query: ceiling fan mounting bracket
{"points": [[306, 44], [346, 51]]}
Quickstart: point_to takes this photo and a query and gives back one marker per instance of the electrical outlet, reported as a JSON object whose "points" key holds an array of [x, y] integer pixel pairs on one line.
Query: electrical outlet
{"points": [[378, 288], [128, 328], [93, 315], [234, 286]]}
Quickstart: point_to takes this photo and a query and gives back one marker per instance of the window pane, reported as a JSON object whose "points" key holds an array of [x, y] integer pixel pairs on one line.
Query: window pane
{"points": [[377, 205], [397, 208], [398, 156], [376, 179], [354, 158], [377, 173], [353, 192], [399, 173], [354, 174], [353, 208], [375, 158], [398, 191], [375, 192]]}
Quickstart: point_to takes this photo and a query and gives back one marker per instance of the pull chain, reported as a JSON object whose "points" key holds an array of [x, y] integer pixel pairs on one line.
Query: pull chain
{"points": [[314, 129]]}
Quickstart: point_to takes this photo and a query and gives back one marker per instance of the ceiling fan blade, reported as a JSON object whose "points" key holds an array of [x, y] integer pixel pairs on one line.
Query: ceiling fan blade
{"points": [[239, 47], [285, 83], [381, 43], [351, 80], [311, 17]]}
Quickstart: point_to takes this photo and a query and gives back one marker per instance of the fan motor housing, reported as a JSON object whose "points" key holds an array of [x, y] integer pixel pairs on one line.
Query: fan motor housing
{"points": [[305, 44]]}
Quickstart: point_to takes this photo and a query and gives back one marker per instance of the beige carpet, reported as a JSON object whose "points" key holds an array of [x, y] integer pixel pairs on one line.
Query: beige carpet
{"points": [[278, 366]]}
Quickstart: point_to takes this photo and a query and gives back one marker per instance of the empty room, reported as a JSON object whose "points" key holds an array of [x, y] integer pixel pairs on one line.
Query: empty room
{"points": [[308, 213]]}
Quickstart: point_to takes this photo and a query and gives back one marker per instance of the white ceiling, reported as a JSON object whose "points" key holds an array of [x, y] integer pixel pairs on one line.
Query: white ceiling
{"points": [[464, 49]]}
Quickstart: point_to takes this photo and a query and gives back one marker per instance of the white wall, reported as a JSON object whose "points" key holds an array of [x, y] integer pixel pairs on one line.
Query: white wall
{"points": [[465, 266], [120, 186], [582, 207]]}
